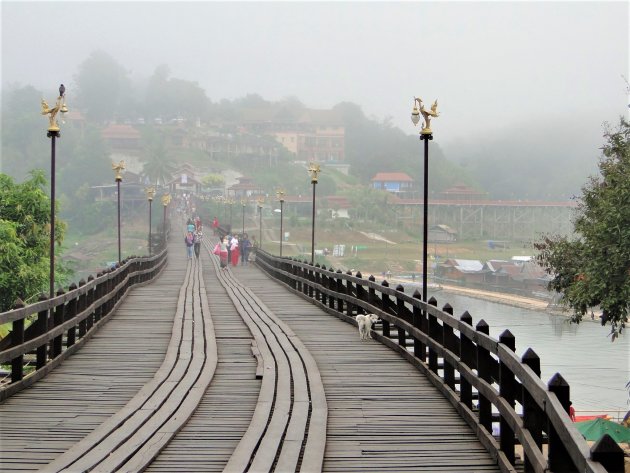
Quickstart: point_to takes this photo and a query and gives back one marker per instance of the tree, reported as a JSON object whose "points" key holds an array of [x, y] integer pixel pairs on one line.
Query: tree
{"points": [[24, 239], [593, 269], [104, 88], [158, 167]]}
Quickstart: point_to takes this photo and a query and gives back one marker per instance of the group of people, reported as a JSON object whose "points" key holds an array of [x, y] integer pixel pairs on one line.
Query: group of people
{"points": [[231, 247], [194, 235]]}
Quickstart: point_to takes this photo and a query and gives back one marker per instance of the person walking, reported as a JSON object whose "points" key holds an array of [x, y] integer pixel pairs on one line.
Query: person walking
{"points": [[234, 250], [197, 243], [222, 251], [189, 239], [245, 247], [215, 225]]}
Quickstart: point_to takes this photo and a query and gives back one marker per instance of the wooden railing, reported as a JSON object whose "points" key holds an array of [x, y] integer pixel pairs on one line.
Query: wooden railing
{"points": [[466, 365], [64, 323]]}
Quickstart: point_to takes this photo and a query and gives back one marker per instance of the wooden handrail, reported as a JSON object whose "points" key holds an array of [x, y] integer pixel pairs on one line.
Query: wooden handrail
{"points": [[448, 352], [85, 307]]}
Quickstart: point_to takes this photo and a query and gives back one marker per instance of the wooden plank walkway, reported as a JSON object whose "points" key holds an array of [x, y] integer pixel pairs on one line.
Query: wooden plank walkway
{"points": [[46, 419], [383, 415]]}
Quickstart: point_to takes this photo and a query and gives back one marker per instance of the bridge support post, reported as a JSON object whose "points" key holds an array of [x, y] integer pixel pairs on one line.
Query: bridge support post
{"points": [[350, 291], [89, 302], [56, 343], [385, 307], [507, 389], [484, 371], [448, 342], [419, 348], [17, 338], [559, 459], [339, 288], [81, 308], [533, 417], [71, 311], [435, 333], [466, 354], [401, 314], [41, 326]]}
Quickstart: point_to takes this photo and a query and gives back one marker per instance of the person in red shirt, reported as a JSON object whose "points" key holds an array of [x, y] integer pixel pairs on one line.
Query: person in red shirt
{"points": [[215, 225], [571, 411]]}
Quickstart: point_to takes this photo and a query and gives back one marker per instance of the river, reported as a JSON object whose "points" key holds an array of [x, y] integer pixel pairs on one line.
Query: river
{"points": [[596, 369]]}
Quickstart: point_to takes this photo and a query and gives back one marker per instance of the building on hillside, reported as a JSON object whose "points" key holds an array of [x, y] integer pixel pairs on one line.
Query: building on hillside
{"points": [[245, 188], [338, 206], [441, 234], [122, 138], [311, 135], [185, 180], [397, 183]]}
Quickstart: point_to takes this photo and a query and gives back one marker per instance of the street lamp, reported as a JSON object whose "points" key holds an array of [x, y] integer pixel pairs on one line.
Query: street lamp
{"points": [[53, 133], [166, 199], [117, 169], [280, 195], [314, 170], [243, 203], [425, 135], [150, 191], [261, 201]]}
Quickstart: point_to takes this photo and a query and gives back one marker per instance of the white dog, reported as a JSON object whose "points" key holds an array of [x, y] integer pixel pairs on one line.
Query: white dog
{"points": [[365, 325]]}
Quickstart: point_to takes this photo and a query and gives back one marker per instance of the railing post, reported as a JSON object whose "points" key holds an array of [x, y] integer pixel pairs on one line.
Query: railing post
{"points": [[332, 287], [70, 312], [17, 338], [507, 389], [350, 291], [310, 278], [559, 459], [372, 299], [41, 326], [400, 313], [533, 416], [89, 302], [97, 298], [419, 348], [361, 292], [467, 356], [339, 289], [56, 344], [447, 342], [435, 334], [323, 280], [484, 371], [81, 308], [385, 303], [317, 282], [608, 452]]}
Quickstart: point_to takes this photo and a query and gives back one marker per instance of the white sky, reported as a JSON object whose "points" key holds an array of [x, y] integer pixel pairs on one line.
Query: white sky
{"points": [[490, 64]]}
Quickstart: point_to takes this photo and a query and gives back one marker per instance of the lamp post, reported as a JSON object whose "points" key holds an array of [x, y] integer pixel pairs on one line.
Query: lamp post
{"points": [[231, 202], [166, 199], [53, 133], [243, 203], [150, 191], [280, 195], [425, 135], [314, 170], [117, 169], [261, 201]]}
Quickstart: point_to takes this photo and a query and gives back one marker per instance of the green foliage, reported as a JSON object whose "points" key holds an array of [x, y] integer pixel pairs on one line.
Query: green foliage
{"points": [[594, 269], [103, 87], [213, 180], [24, 238]]}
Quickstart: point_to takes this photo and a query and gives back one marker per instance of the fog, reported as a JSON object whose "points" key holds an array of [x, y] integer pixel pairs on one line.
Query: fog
{"points": [[516, 75]]}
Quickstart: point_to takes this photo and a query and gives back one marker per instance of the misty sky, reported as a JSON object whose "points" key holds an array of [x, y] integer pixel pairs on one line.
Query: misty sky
{"points": [[492, 65]]}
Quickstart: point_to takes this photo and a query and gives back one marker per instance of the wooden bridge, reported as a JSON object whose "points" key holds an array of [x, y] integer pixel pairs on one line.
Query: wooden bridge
{"points": [[178, 365]]}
